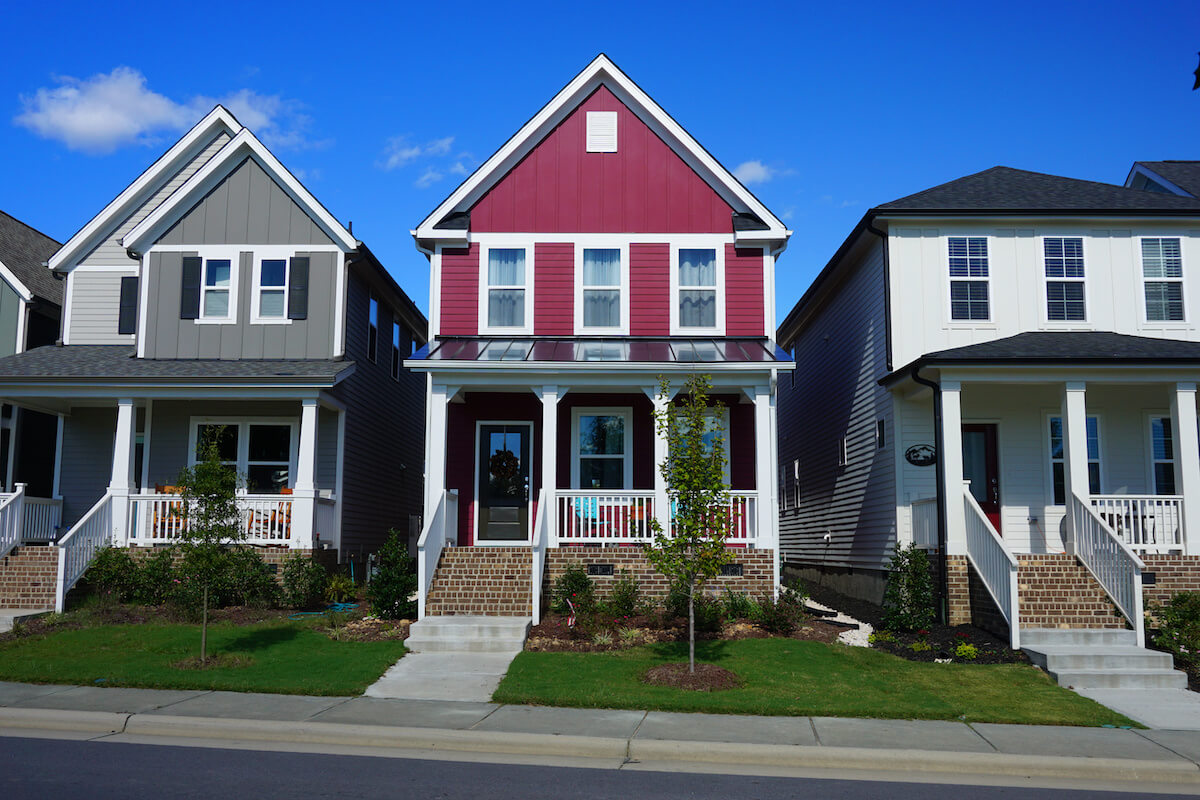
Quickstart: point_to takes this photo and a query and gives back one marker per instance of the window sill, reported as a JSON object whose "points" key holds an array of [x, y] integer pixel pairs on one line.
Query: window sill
{"points": [[271, 322], [215, 321]]}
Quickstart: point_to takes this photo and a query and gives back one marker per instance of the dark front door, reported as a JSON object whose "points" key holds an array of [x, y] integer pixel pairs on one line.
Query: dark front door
{"points": [[981, 466], [503, 471]]}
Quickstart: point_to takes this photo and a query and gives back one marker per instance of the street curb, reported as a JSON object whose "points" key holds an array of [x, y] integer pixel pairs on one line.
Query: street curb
{"points": [[61, 720]]}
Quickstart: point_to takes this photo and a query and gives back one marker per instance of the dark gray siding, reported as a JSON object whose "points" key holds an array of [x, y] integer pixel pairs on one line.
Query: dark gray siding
{"points": [[385, 431], [327, 429], [168, 336], [88, 435], [841, 353]]}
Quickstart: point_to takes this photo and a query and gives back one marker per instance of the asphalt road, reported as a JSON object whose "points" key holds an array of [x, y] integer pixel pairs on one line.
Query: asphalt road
{"points": [[54, 769]]}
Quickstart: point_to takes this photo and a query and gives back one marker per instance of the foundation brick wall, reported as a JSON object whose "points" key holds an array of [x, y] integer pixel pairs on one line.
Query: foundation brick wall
{"points": [[1055, 591], [28, 577], [491, 581], [272, 555], [1172, 574]]}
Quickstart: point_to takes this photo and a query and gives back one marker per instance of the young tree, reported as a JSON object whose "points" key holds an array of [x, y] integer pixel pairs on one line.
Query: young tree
{"points": [[693, 550], [208, 494]]}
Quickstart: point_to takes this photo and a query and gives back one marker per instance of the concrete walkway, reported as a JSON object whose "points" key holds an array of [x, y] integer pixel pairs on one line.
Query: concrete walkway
{"points": [[713, 742], [1168, 709], [443, 676]]}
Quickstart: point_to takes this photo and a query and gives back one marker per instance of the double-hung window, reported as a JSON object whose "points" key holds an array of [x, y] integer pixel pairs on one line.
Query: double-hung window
{"points": [[1057, 454], [716, 424], [1162, 455], [969, 278], [261, 451], [1162, 276], [600, 291], [602, 445], [506, 293], [271, 303], [218, 281], [1064, 268], [697, 281]]}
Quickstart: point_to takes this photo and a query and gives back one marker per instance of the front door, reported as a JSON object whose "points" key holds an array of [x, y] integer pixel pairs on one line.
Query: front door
{"points": [[503, 470], [981, 466]]}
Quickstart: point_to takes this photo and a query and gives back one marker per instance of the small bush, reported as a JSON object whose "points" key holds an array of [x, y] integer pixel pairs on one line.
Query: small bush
{"points": [[676, 601], [602, 638], [113, 574], [709, 613], [908, 599], [1179, 629], [629, 636], [340, 589], [393, 586], [966, 651], [881, 636], [921, 646], [574, 585], [781, 616], [247, 580], [156, 577], [738, 605], [623, 599], [304, 582]]}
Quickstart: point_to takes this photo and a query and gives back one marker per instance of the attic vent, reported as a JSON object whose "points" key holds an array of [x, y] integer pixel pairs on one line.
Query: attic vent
{"points": [[602, 131]]}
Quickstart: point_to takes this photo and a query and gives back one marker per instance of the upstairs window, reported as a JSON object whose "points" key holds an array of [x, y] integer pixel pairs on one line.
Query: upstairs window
{"points": [[506, 293], [1162, 455], [1058, 472], [218, 282], [1162, 276], [272, 289], [1064, 279], [697, 288], [396, 349], [600, 290], [372, 328], [969, 278]]}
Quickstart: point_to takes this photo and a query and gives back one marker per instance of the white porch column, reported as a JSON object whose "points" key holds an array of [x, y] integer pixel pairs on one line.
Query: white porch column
{"points": [[1075, 454], [121, 480], [304, 488], [58, 446], [662, 501], [1187, 461], [435, 452], [952, 471], [550, 395], [764, 471]]}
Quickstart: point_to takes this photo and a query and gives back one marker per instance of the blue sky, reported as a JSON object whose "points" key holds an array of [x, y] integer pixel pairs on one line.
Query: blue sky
{"points": [[826, 109]]}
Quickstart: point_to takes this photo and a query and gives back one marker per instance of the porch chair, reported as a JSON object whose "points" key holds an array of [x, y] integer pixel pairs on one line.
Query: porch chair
{"points": [[169, 517], [274, 523]]}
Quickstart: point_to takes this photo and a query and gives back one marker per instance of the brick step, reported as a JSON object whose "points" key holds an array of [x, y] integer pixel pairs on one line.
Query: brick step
{"points": [[1056, 591], [29, 577], [481, 581]]}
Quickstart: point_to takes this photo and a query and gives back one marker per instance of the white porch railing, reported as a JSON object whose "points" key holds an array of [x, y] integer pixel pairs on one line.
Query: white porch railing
{"points": [[994, 564], [161, 518], [11, 527], [77, 548], [442, 522], [587, 517], [924, 519], [43, 516], [1111, 562], [325, 524], [1147, 523], [541, 538]]}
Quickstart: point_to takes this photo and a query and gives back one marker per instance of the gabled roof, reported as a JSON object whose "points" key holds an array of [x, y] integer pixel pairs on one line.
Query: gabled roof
{"points": [[244, 144], [439, 225], [1182, 177], [23, 251], [1004, 189], [217, 120]]}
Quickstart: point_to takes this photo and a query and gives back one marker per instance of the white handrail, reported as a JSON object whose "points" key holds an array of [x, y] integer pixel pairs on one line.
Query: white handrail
{"points": [[159, 518], [1116, 567], [431, 543], [541, 535], [1148, 523], [77, 549], [11, 526], [923, 514], [994, 563]]}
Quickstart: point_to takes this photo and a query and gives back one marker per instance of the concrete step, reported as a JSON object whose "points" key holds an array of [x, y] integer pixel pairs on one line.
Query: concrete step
{"points": [[1057, 658], [468, 634], [1032, 637], [1121, 679]]}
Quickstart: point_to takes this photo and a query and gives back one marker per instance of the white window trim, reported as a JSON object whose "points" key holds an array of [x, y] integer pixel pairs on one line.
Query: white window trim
{"points": [[243, 425], [1144, 319], [721, 289], [952, 279], [721, 411], [843, 451], [1046, 281], [1051, 460], [233, 254], [522, 330], [261, 254], [626, 413], [624, 288], [1151, 486]]}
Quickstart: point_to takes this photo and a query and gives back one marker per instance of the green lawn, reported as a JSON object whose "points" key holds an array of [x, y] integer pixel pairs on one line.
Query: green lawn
{"points": [[286, 658], [789, 677]]}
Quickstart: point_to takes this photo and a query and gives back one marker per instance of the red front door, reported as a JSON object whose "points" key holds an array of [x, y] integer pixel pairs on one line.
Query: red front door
{"points": [[981, 466]]}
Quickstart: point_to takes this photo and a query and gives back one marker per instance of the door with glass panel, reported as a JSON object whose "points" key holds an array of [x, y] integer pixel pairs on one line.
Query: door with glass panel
{"points": [[503, 470], [981, 466]]}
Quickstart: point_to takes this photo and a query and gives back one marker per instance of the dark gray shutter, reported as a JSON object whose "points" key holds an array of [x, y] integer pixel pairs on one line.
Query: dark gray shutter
{"points": [[189, 296], [298, 288], [127, 317]]}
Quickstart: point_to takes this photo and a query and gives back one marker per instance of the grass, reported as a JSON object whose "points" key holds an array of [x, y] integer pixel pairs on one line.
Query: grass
{"points": [[789, 677], [284, 658]]}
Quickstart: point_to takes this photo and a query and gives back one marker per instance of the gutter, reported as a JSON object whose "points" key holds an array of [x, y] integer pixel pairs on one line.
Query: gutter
{"points": [[940, 467]]}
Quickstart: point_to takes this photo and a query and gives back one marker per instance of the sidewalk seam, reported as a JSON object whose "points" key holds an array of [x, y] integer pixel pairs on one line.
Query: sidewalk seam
{"points": [[479, 721], [812, 724], [981, 736], [203, 693], [1165, 747], [632, 736]]}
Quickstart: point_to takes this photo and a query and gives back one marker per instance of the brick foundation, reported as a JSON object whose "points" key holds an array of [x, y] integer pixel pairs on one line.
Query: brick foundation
{"points": [[492, 581], [28, 577], [273, 555], [1172, 574]]}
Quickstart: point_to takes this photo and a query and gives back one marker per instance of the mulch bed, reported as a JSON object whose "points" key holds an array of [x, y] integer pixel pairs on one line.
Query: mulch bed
{"points": [[706, 678], [607, 634]]}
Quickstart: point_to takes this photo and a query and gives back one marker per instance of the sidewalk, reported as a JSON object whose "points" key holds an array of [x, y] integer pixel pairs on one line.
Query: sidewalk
{"points": [[1160, 756]]}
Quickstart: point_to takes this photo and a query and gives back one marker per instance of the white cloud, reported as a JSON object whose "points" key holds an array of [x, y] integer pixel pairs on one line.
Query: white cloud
{"points": [[752, 172], [428, 178], [400, 151], [439, 147], [459, 168], [111, 110]]}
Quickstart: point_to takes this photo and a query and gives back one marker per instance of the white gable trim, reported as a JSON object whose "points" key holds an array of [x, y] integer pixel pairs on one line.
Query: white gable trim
{"points": [[21, 289], [600, 71], [212, 173], [1140, 169], [217, 120]]}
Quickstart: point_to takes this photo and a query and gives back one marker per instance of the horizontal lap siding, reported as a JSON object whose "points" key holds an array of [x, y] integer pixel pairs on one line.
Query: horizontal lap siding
{"points": [[87, 449], [460, 292], [744, 310], [650, 289], [842, 352], [554, 289], [95, 306]]}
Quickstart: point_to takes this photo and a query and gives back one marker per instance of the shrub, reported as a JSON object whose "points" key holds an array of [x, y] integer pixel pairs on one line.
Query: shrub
{"points": [[781, 616], [881, 636], [629, 636], [574, 585], [303, 581], [393, 586], [709, 613], [922, 646], [340, 589], [738, 605], [113, 574], [247, 580], [1179, 629], [966, 651], [676, 601], [156, 577], [908, 599], [623, 599], [602, 638]]}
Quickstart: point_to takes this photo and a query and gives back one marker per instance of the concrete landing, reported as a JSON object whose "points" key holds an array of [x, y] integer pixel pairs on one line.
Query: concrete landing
{"points": [[10, 615]]}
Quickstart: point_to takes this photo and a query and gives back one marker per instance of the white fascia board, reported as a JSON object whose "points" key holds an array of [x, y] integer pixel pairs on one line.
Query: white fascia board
{"points": [[21, 289], [213, 172], [216, 120], [1141, 169], [601, 70]]}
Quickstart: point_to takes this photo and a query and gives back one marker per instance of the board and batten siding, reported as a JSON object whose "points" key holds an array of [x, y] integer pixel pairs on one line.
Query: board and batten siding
{"points": [[841, 354], [649, 289], [554, 289], [110, 252], [95, 306], [87, 449]]}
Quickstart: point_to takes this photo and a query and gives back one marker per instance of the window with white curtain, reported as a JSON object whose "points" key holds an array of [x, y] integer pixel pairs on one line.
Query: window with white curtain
{"points": [[218, 280], [601, 291], [1162, 276], [697, 287], [506, 288]]}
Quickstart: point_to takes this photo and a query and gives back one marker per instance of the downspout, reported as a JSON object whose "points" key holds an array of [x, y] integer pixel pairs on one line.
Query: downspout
{"points": [[940, 468]]}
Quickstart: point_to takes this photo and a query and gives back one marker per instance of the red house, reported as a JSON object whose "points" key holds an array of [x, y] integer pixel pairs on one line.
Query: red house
{"points": [[599, 248]]}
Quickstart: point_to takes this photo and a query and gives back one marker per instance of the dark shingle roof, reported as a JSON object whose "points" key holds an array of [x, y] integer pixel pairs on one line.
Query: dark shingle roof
{"points": [[75, 363], [1184, 174], [1008, 189], [23, 250], [1070, 346]]}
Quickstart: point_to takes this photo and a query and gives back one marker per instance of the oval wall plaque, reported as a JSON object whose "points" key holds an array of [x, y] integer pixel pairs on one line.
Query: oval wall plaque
{"points": [[921, 455]]}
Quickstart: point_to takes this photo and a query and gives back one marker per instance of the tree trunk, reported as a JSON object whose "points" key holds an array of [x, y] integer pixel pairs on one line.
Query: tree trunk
{"points": [[692, 627], [204, 629]]}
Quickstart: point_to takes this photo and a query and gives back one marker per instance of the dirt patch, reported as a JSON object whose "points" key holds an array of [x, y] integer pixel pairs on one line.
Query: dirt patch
{"points": [[215, 661], [706, 678], [370, 629], [601, 635]]}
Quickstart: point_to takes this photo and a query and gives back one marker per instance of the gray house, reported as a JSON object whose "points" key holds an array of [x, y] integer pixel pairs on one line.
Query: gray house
{"points": [[216, 294]]}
